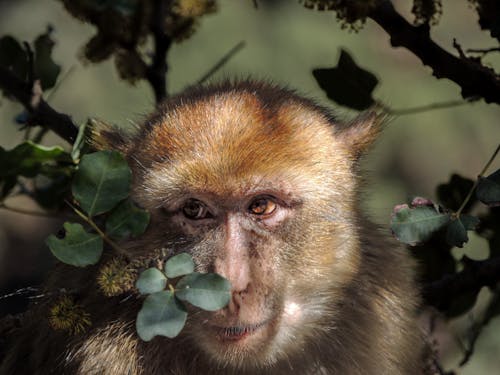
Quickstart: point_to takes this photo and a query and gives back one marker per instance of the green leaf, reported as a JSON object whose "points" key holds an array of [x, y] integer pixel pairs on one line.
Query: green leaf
{"points": [[347, 84], [208, 291], [77, 248], [469, 222], [126, 220], [415, 225], [13, 57], [29, 159], [179, 265], [456, 231], [46, 69], [488, 189], [456, 234], [101, 181], [150, 281], [161, 315]]}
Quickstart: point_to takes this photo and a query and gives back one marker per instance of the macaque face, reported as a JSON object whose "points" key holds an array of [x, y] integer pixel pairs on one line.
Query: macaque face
{"points": [[254, 194]]}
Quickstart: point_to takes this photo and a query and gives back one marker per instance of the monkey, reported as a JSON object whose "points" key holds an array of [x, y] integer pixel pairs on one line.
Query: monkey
{"points": [[263, 187]]}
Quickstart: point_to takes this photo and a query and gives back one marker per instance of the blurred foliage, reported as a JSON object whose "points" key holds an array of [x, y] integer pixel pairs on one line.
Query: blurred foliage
{"points": [[347, 84], [124, 25], [26, 64], [489, 14]]}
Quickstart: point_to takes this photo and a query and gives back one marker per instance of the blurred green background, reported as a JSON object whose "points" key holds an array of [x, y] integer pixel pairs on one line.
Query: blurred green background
{"points": [[284, 42]]}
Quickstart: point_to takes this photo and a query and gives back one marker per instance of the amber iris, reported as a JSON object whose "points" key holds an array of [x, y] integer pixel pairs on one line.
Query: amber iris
{"points": [[262, 206]]}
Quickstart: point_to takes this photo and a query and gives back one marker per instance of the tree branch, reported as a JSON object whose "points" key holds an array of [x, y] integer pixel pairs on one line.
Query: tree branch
{"points": [[474, 78], [223, 60], [41, 112], [475, 275], [157, 72]]}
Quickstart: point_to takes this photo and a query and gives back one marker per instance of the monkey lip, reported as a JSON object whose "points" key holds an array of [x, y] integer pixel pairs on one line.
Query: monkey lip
{"points": [[239, 332]]}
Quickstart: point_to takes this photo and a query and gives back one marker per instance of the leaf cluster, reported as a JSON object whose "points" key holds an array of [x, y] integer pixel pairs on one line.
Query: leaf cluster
{"points": [[123, 27], [350, 14], [489, 14], [48, 169], [163, 312], [100, 185], [433, 229], [29, 62]]}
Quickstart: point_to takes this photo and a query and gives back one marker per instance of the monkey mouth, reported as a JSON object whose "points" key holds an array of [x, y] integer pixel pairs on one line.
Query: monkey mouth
{"points": [[239, 332]]}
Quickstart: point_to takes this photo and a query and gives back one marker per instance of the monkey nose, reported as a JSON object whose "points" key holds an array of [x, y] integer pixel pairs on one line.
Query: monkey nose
{"points": [[237, 299], [237, 271]]}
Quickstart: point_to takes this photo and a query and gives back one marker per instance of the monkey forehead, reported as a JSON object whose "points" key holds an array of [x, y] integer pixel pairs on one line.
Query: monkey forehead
{"points": [[228, 139]]}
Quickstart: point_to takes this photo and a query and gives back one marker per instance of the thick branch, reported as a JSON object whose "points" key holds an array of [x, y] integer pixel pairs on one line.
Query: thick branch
{"points": [[157, 71], [41, 113], [474, 78], [475, 275]]}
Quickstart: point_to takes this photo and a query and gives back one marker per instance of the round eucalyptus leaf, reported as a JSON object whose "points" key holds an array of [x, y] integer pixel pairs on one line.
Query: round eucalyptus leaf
{"points": [[469, 222], [77, 248], [415, 225], [101, 181], [126, 220], [179, 265], [161, 315], [150, 281], [208, 291], [488, 189], [456, 234]]}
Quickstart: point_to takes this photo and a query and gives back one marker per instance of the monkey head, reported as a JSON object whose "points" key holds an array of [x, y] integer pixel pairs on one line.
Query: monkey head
{"points": [[259, 185]]}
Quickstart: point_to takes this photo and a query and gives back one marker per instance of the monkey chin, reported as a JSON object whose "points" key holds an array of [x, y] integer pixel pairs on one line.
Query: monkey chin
{"points": [[249, 346], [241, 345]]}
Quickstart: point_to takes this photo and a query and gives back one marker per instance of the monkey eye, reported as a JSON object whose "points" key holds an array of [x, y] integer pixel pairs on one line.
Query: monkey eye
{"points": [[195, 210], [262, 207]]}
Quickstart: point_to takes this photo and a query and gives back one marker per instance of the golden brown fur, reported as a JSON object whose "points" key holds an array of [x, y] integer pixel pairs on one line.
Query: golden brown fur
{"points": [[330, 292]]}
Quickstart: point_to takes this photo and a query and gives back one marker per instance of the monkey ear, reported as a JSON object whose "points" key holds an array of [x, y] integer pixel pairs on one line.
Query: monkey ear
{"points": [[360, 133], [104, 136]]}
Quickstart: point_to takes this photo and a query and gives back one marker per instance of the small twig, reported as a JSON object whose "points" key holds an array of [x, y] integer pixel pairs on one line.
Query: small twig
{"points": [[61, 80], [42, 113], [103, 235], [477, 328], [223, 60], [43, 131], [459, 49], [474, 331], [474, 78], [471, 191], [18, 292], [483, 51], [429, 107]]}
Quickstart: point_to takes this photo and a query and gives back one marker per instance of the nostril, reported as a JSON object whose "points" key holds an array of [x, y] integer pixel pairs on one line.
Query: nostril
{"points": [[237, 299]]}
